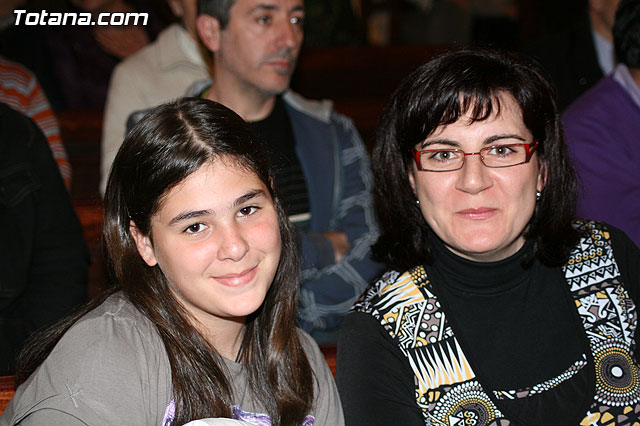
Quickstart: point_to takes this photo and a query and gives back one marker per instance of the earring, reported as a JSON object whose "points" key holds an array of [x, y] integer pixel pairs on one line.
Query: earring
{"points": [[538, 195], [418, 202]]}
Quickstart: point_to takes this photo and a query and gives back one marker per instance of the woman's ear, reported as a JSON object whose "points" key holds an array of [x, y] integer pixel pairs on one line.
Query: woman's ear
{"points": [[542, 177], [143, 244], [209, 32], [412, 181]]}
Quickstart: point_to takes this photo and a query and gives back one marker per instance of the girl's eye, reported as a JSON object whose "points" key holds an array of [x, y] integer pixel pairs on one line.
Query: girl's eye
{"points": [[195, 228], [247, 211]]}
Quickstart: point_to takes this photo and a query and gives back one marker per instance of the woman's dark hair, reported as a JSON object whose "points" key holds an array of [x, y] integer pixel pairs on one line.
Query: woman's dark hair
{"points": [[439, 93], [165, 147], [626, 33]]}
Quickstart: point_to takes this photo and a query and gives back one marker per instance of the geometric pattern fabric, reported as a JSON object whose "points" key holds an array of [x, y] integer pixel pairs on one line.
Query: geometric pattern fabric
{"points": [[446, 388]]}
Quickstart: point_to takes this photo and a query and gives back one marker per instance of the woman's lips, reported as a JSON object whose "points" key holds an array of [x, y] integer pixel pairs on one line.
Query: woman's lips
{"points": [[477, 214], [237, 280]]}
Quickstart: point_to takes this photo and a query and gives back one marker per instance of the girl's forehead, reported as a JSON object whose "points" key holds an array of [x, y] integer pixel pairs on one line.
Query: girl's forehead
{"points": [[213, 182]]}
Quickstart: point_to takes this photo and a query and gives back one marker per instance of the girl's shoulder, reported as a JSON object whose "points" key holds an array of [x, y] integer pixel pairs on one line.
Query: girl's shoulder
{"points": [[113, 325], [310, 347], [111, 357]]}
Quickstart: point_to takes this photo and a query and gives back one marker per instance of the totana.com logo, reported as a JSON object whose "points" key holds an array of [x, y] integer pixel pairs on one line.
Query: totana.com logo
{"points": [[83, 18]]}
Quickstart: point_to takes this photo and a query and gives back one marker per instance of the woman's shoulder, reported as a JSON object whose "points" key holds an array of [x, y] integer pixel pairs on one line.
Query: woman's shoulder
{"points": [[599, 234], [394, 288]]}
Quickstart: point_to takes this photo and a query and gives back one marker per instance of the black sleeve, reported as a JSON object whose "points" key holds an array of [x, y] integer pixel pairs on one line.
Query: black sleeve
{"points": [[45, 259], [627, 256], [375, 382], [60, 259]]}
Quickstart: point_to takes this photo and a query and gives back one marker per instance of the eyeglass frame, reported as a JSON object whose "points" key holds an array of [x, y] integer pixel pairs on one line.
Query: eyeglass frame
{"points": [[530, 149]]}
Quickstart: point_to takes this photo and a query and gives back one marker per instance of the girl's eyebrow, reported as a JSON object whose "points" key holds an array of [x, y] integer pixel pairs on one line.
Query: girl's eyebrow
{"points": [[192, 214], [255, 193], [188, 215]]}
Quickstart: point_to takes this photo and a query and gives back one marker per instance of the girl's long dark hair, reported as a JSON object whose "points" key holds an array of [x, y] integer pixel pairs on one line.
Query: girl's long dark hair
{"points": [[169, 144]]}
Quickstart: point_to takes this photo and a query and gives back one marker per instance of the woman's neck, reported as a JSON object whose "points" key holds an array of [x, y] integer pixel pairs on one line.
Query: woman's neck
{"points": [[479, 277]]}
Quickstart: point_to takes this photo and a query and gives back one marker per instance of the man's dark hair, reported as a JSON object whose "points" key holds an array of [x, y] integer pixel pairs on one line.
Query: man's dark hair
{"points": [[219, 9], [626, 33], [439, 93]]}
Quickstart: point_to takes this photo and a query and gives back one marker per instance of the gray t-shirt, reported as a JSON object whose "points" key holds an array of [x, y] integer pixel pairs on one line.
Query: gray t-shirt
{"points": [[111, 368]]}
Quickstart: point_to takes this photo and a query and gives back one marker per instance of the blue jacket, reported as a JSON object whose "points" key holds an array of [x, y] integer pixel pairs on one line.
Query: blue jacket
{"points": [[339, 181]]}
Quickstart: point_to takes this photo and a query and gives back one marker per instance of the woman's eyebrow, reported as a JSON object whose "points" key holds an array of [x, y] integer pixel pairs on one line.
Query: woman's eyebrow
{"points": [[495, 138], [448, 142]]}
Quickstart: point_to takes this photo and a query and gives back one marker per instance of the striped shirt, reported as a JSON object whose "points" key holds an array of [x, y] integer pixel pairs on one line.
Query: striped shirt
{"points": [[20, 89]]}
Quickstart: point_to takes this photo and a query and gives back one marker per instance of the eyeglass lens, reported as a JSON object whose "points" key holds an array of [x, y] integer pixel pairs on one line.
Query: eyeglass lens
{"points": [[492, 156]]}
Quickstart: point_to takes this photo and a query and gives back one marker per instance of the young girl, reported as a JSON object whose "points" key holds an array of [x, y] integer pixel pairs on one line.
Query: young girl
{"points": [[201, 322]]}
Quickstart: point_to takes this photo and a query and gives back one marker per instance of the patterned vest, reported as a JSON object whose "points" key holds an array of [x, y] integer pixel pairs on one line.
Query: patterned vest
{"points": [[447, 390]]}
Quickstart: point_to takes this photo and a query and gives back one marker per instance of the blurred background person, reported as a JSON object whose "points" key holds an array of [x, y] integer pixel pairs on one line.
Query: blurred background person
{"points": [[85, 56], [159, 72], [580, 52], [43, 255], [28, 46], [602, 128], [20, 89]]}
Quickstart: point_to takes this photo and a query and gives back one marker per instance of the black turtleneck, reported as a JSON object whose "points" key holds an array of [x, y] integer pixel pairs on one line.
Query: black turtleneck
{"points": [[518, 328]]}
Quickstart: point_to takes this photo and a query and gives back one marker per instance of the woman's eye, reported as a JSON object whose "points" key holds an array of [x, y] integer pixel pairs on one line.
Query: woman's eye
{"points": [[443, 155], [247, 211], [195, 228], [501, 150]]}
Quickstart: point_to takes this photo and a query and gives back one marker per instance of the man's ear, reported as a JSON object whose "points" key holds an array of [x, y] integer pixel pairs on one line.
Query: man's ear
{"points": [[143, 244], [209, 32]]}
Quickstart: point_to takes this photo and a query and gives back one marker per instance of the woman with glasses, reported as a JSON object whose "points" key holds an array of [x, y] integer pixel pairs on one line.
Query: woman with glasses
{"points": [[201, 322], [500, 308]]}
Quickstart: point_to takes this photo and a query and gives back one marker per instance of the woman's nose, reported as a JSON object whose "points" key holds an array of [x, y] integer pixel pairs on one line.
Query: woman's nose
{"points": [[474, 176]]}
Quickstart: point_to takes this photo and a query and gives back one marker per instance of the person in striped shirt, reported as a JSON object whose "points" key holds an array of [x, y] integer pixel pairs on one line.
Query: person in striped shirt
{"points": [[20, 89]]}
